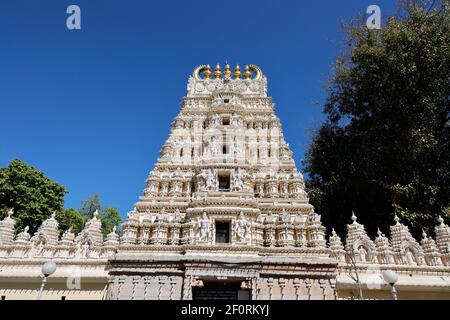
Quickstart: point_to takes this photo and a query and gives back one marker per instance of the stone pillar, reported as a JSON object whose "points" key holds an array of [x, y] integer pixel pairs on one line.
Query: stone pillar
{"points": [[176, 284], [284, 189], [187, 232], [145, 230], [290, 290], [285, 234], [316, 290], [297, 190], [272, 188], [174, 233], [259, 186], [187, 189], [330, 290], [112, 292], [297, 284], [176, 188], [151, 288], [257, 234], [125, 288], [159, 233], [282, 283], [165, 288], [269, 235], [300, 236], [164, 189], [139, 288]]}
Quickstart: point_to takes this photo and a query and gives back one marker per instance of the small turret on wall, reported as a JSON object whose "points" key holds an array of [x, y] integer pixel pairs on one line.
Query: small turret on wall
{"points": [[401, 249], [46, 243]]}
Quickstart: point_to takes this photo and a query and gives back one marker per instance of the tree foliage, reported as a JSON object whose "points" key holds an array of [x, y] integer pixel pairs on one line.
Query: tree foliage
{"points": [[110, 219], [384, 146], [89, 206], [31, 195], [109, 216], [70, 218]]}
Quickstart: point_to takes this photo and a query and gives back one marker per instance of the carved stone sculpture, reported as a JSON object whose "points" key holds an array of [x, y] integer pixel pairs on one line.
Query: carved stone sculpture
{"points": [[241, 226], [238, 180], [204, 227]]}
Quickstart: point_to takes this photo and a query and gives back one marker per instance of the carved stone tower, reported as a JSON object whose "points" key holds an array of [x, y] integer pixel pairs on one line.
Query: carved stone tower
{"points": [[225, 208]]}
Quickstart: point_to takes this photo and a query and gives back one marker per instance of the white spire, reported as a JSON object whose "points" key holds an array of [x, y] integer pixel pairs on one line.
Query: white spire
{"points": [[396, 219], [379, 232], [354, 218]]}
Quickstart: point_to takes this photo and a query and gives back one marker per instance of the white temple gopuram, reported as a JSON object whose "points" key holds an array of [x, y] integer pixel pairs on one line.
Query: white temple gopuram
{"points": [[224, 215]]}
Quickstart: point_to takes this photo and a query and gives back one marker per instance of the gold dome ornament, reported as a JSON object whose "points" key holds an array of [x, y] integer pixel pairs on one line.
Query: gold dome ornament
{"points": [[208, 72], [237, 72], [217, 72], [227, 73], [247, 73]]}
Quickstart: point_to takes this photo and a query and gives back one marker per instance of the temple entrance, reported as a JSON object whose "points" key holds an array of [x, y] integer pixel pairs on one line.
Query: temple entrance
{"points": [[218, 290]]}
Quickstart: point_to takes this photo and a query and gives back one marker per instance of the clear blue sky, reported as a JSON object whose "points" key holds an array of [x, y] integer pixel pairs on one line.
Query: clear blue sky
{"points": [[92, 108]]}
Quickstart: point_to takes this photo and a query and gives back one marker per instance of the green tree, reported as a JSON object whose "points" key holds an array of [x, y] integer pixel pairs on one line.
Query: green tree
{"points": [[31, 194], [70, 218], [385, 144], [109, 216], [89, 206], [110, 219]]}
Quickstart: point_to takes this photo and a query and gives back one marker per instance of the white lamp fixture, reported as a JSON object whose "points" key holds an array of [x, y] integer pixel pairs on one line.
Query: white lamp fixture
{"points": [[391, 277], [47, 269]]}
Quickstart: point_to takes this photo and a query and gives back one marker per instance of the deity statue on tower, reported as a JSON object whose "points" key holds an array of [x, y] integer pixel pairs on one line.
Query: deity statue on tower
{"points": [[204, 226], [238, 180], [241, 227], [214, 147], [234, 121], [215, 121], [235, 148], [210, 180]]}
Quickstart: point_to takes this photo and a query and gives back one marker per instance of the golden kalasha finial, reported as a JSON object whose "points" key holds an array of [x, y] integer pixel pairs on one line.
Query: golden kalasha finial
{"points": [[237, 72], [247, 73], [217, 73], [227, 72], [208, 72]]}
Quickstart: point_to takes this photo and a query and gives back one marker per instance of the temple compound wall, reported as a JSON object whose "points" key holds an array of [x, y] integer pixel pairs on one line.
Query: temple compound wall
{"points": [[224, 214], [111, 268]]}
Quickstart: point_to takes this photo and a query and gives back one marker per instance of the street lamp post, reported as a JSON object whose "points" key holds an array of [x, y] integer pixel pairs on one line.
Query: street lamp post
{"points": [[391, 277], [48, 268]]}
